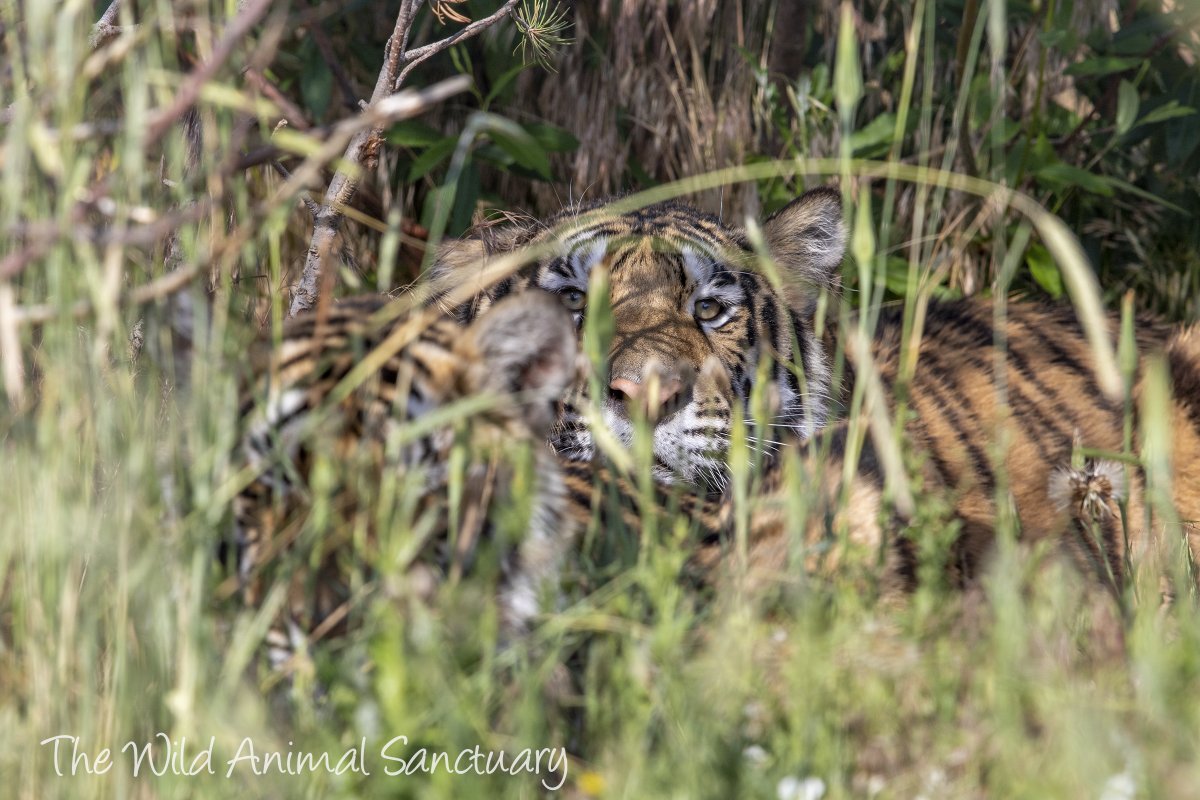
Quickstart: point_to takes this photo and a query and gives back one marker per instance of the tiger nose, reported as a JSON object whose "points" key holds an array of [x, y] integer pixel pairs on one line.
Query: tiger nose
{"points": [[655, 397]]}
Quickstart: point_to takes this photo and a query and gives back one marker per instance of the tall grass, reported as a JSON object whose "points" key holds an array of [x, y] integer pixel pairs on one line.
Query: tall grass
{"points": [[117, 427]]}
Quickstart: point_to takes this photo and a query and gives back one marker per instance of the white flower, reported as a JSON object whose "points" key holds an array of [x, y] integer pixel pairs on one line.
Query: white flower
{"points": [[755, 755], [792, 788], [1121, 786]]}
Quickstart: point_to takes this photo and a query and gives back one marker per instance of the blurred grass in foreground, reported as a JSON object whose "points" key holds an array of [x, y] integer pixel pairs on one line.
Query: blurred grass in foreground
{"points": [[115, 491]]}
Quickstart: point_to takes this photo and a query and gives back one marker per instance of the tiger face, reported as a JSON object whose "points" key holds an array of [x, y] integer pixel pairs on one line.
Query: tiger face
{"points": [[694, 319]]}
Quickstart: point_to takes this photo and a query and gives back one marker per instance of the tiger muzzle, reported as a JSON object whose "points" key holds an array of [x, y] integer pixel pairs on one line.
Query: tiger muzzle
{"points": [[656, 394]]}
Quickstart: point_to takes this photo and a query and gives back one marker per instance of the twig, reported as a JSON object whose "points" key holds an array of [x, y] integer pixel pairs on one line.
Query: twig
{"points": [[41, 237], [342, 187], [162, 119], [325, 47], [356, 131], [291, 112], [106, 27], [305, 200], [414, 57]]}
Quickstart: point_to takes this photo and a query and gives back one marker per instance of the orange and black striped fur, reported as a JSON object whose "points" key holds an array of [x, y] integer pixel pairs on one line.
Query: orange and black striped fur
{"points": [[695, 319], [305, 404], [1055, 410], [691, 314]]}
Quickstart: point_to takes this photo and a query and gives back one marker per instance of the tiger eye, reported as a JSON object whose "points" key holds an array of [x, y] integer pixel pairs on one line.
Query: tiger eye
{"points": [[573, 299], [707, 309]]}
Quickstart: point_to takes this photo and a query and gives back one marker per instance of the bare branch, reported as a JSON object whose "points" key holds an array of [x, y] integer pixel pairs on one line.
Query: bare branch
{"points": [[321, 39], [342, 187], [248, 16], [291, 112], [106, 27], [356, 131], [414, 57]]}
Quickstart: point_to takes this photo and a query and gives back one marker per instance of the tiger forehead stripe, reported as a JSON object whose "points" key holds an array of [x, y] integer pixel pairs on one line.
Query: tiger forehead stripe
{"points": [[713, 279], [700, 266], [587, 255]]}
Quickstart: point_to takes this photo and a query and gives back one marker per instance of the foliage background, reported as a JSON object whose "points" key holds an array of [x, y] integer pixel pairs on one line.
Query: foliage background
{"points": [[136, 263]]}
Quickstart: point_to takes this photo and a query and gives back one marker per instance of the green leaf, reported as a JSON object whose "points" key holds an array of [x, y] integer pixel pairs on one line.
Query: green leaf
{"points": [[492, 154], [1100, 66], [1166, 111], [1064, 176], [554, 139], [438, 152], [316, 84], [412, 133], [1055, 39], [1127, 106], [465, 200], [503, 82], [515, 141], [1123, 186], [1043, 269], [875, 137]]}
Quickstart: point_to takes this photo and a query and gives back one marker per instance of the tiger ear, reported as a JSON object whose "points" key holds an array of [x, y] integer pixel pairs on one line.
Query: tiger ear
{"points": [[807, 239], [460, 260], [525, 345]]}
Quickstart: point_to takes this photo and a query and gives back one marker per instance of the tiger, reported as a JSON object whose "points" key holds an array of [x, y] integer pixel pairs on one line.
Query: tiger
{"points": [[691, 315], [1062, 435], [304, 403], [695, 322]]}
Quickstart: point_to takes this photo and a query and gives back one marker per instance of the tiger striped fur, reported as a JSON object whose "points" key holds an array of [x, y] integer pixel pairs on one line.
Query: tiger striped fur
{"points": [[1054, 410], [695, 318], [690, 310], [302, 407]]}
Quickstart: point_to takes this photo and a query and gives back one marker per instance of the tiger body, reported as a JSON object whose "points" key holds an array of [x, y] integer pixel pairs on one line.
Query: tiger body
{"points": [[695, 322], [305, 406], [694, 325], [1052, 411]]}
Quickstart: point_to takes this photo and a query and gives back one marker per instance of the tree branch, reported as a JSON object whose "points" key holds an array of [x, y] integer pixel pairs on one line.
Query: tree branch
{"points": [[414, 57], [162, 119], [342, 187], [357, 131], [106, 27]]}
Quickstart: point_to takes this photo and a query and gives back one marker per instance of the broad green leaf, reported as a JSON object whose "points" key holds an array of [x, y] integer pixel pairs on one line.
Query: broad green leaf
{"points": [[515, 141], [1057, 38], [1127, 106], [1044, 271], [465, 200], [1065, 176], [875, 137], [503, 82], [438, 152], [1100, 66], [1167, 111], [412, 133], [316, 83], [554, 139]]}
